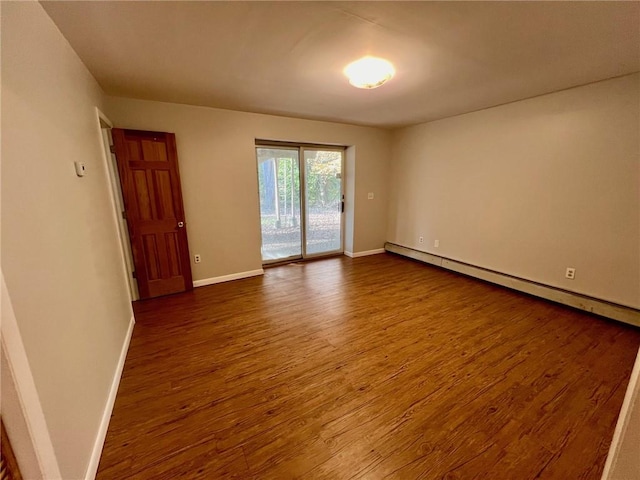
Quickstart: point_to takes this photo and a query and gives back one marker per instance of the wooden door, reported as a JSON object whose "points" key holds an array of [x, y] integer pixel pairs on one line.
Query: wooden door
{"points": [[150, 180]]}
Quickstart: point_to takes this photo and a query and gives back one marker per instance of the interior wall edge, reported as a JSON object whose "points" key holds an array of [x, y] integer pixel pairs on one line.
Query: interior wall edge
{"points": [[36, 441], [617, 460]]}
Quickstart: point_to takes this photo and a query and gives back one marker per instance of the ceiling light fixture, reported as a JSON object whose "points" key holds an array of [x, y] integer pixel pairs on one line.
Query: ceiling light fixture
{"points": [[369, 72]]}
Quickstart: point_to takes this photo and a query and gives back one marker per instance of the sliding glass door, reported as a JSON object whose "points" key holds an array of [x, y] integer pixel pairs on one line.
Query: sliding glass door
{"points": [[323, 201], [279, 184], [301, 209]]}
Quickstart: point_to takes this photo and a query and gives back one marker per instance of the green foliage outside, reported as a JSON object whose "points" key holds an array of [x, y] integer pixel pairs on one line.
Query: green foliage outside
{"points": [[323, 184]]}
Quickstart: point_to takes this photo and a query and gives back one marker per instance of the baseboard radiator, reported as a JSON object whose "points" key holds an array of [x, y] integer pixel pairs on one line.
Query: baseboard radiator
{"points": [[599, 307]]}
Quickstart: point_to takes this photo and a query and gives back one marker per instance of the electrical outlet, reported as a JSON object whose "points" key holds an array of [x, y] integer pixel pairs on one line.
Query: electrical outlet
{"points": [[420, 239], [196, 258], [370, 195], [436, 243], [571, 273]]}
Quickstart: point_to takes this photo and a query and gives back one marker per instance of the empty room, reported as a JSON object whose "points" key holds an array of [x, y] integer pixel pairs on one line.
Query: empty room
{"points": [[337, 240]]}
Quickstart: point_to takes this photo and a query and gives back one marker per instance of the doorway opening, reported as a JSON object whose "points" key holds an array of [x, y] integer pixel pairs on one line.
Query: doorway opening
{"points": [[301, 192]]}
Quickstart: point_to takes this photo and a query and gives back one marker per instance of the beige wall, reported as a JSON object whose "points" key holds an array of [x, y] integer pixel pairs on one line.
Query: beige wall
{"points": [[530, 188], [60, 251], [527, 189], [220, 183]]}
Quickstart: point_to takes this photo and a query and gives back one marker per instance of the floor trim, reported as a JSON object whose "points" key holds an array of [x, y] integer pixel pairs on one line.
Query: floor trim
{"points": [[227, 278], [92, 468], [364, 253], [583, 302]]}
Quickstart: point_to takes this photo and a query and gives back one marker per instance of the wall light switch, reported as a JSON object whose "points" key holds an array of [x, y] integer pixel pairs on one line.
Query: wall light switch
{"points": [[370, 195], [81, 169], [436, 243]]}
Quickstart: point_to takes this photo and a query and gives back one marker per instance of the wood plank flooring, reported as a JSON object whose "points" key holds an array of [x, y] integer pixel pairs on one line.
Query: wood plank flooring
{"points": [[367, 368]]}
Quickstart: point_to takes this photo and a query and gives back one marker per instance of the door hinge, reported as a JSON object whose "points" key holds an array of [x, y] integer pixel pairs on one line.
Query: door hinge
{"points": [[112, 148], [124, 214], [133, 274]]}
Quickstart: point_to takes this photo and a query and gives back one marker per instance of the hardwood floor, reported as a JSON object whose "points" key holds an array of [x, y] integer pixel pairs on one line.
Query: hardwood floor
{"points": [[366, 368]]}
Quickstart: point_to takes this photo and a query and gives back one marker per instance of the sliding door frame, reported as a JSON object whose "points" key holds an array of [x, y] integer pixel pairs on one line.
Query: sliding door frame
{"points": [[290, 258], [303, 175], [302, 172]]}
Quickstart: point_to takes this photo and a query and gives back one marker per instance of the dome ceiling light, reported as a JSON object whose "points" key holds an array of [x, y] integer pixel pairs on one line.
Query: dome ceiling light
{"points": [[369, 72]]}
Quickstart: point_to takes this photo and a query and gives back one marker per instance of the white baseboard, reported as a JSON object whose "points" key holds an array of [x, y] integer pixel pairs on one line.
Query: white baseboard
{"points": [[594, 305], [613, 470], [364, 253], [92, 469], [227, 278]]}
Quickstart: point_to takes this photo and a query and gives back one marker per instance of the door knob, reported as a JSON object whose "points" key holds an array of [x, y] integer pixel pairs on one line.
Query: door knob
{"points": [[180, 224]]}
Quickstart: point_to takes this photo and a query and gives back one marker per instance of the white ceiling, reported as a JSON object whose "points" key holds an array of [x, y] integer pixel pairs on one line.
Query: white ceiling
{"points": [[286, 58]]}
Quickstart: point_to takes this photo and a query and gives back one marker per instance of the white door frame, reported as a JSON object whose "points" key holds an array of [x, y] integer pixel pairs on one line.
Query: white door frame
{"points": [[115, 192], [303, 196]]}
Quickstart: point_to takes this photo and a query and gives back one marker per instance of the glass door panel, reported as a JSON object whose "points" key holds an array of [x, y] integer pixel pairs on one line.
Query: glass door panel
{"points": [[279, 184], [323, 201]]}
